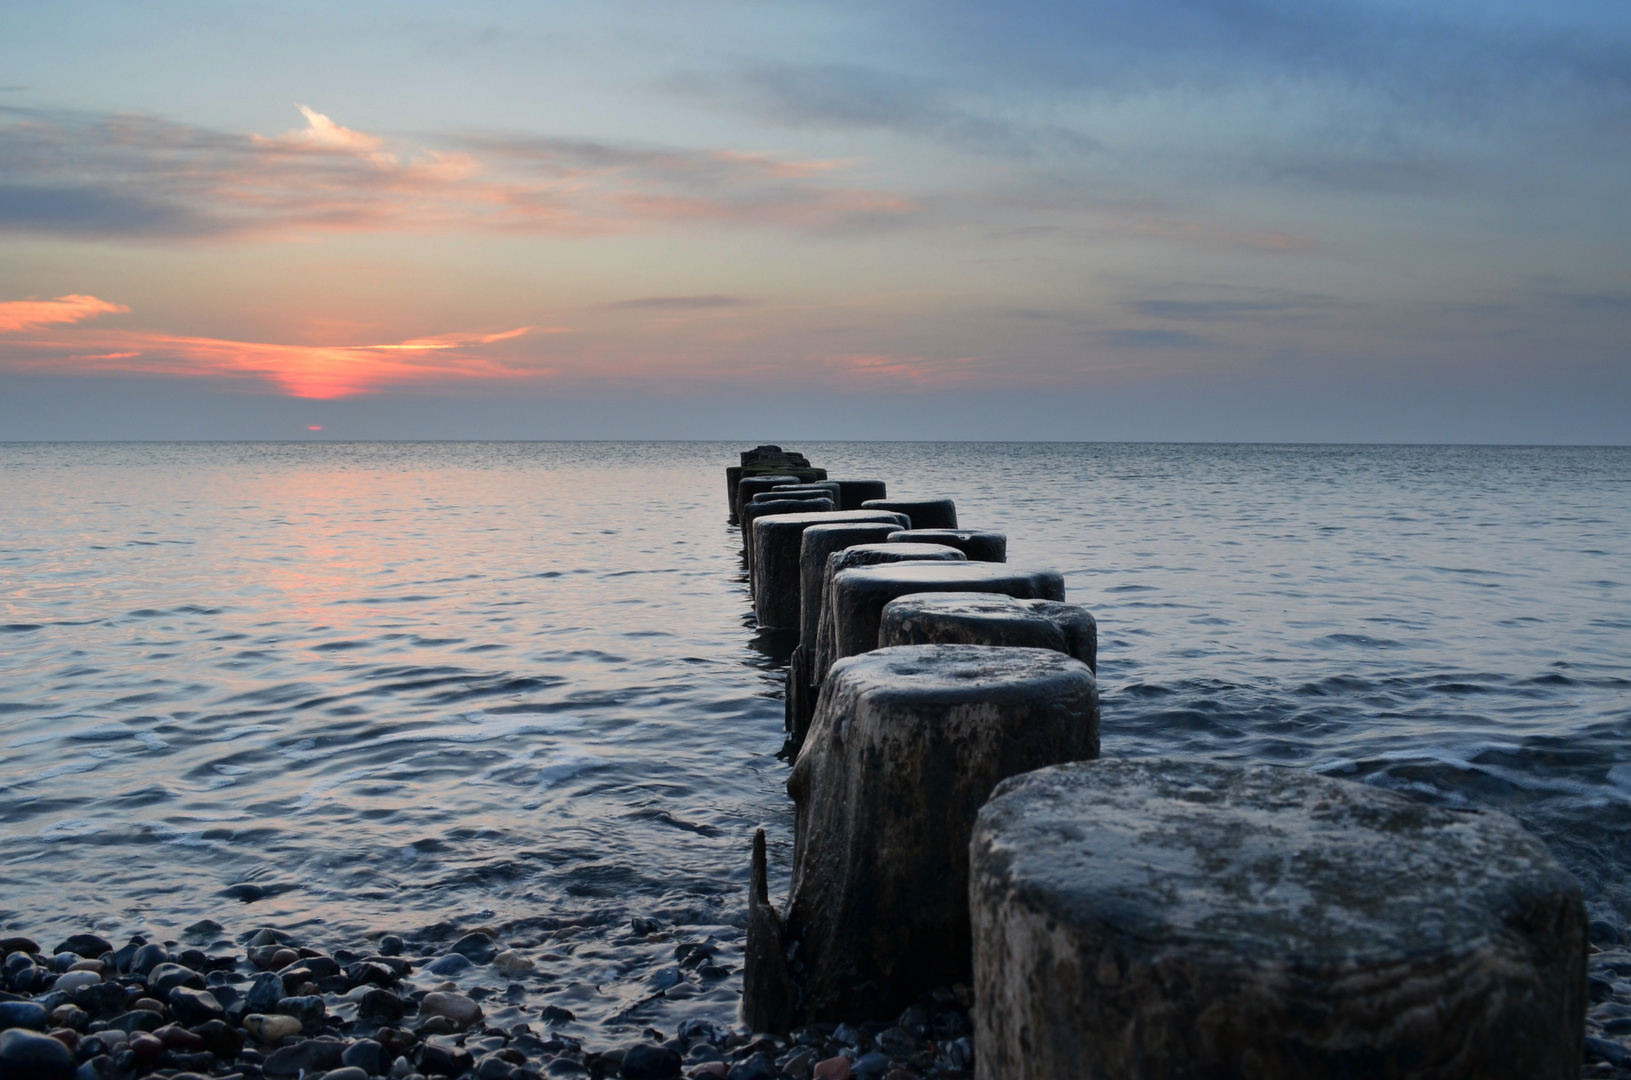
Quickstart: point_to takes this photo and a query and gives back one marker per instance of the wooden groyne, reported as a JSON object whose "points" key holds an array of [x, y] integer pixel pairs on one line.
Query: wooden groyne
{"points": [[1115, 918]]}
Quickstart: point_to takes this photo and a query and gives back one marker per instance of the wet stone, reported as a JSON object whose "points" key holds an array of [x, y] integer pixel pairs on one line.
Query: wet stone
{"points": [[457, 1008], [646, 1062], [194, 1006], [269, 1030], [309, 1009], [307, 1055], [990, 619], [162, 979], [89, 946], [453, 964], [907, 744], [23, 1014], [367, 1055], [1177, 917], [25, 1055]]}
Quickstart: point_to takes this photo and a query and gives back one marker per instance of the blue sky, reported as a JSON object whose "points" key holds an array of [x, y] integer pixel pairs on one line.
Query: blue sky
{"points": [[1160, 220]]}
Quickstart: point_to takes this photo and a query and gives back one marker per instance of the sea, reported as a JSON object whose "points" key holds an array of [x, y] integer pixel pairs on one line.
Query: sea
{"points": [[346, 689]]}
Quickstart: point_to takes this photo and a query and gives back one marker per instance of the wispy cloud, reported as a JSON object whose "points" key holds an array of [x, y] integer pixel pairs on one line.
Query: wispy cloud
{"points": [[682, 303], [306, 371], [1153, 339], [27, 314], [133, 176]]}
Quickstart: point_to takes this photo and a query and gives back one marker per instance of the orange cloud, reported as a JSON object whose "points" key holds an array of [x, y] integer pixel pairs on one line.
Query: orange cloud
{"points": [[26, 314], [176, 181], [305, 371], [914, 372]]}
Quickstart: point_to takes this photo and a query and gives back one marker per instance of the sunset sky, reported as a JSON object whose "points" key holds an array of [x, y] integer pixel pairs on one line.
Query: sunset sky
{"points": [[1176, 219]]}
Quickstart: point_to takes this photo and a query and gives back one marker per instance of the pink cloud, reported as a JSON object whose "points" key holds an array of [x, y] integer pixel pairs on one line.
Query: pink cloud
{"points": [[179, 181], [304, 371], [18, 315]]}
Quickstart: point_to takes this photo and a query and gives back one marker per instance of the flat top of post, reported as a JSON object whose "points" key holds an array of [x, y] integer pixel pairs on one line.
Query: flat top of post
{"points": [[1268, 864]]}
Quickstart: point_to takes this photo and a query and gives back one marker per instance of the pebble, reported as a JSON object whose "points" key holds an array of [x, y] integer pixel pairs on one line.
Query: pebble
{"points": [[147, 958], [456, 1007], [477, 948], [267, 1030], [23, 1014], [367, 1055], [511, 962], [646, 1062], [309, 1009], [25, 1055], [89, 946], [451, 964], [165, 977], [834, 1068], [193, 1007], [347, 1072], [264, 993]]}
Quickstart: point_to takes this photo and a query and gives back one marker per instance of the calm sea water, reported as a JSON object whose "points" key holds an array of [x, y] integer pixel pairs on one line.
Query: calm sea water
{"points": [[346, 689]]}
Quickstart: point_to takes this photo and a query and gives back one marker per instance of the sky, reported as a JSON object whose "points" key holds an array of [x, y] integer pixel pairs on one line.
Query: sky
{"points": [[1195, 220]]}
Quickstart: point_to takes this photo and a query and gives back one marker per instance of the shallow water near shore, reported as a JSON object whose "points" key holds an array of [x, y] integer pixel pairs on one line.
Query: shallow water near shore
{"points": [[347, 689]]}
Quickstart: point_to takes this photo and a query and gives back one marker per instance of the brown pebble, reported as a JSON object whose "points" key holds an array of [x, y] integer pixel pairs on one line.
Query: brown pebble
{"points": [[89, 965], [283, 958], [834, 1068], [151, 1005], [145, 1046], [176, 1037], [66, 1036]]}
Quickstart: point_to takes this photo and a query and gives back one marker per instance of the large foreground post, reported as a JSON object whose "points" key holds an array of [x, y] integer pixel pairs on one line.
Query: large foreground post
{"points": [[906, 745], [1167, 918]]}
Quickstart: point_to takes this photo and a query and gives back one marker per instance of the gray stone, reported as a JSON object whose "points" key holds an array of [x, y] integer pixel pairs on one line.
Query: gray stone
{"points": [[149, 957], [777, 560], [367, 1055], [646, 1062], [193, 1007], [854, 494], [858, 596], [1138, 918], [477, 948], [307, 1055], [907, 744], [27, 1056], [451, 964], [347, 1072], [264, 993], [307, 1008], [925, 513], [752, 513], [990, 619], [23, 1014], [978, 546], [162, 979], [90, 946]]}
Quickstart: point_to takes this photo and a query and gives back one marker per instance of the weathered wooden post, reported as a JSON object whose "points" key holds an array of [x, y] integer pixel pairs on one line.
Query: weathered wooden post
{"points": [[816, 543], [978, 546], [749, 486], [756, 509], [821, 659], [855, 493], [777, 544], [925, 513], [1182, 918], [857, 597], [970, 618], [907, 744]]}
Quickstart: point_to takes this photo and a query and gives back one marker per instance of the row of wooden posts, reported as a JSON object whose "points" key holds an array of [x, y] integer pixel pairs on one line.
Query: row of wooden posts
{"points": [[1155, 917]]}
